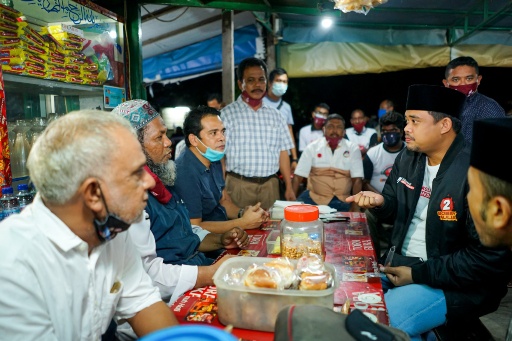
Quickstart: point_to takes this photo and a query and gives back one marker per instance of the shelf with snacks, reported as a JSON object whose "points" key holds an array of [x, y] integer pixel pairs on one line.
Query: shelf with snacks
{"points": [[69, 43], [56, 57], [21, 83]]}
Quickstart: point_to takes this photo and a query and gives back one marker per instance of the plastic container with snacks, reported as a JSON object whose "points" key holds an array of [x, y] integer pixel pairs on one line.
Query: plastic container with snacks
{"points": [[302, 232]]}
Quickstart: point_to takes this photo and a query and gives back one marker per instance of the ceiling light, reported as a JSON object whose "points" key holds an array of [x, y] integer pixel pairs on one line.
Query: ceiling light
{"points": [[326, 22]]}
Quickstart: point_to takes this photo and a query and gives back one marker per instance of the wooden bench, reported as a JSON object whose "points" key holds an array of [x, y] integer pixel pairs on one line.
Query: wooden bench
{"points": [[471, 330]]}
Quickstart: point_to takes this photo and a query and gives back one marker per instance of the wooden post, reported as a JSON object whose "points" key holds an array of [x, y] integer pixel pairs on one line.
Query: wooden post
{"points": [[228, 58], [270, 40]]}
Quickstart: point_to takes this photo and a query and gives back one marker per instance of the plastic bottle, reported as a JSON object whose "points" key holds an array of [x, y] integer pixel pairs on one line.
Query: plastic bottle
{"points": [[302, 232], [19, 154], [24, 196], [9, 202]]}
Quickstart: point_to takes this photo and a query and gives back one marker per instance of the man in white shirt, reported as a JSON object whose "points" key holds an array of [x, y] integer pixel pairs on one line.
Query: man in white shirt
{"points": [[311, 132], [361, 135], [277, 86], [333, 166], [66, 268]]}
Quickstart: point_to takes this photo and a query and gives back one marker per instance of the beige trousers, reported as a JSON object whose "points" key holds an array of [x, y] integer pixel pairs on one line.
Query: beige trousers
{"points": [[244, 193]]}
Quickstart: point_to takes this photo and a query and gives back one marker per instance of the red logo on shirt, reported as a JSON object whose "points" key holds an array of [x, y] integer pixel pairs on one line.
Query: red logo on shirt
{"points": [[447, 213]]}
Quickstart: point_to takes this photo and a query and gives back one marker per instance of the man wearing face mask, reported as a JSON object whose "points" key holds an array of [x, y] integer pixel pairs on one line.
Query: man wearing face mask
{"points": [[333, 167], [311, 132], [277, 86], [257, 142], [359, 134], [378, 164], [68, 249], [200, 180], [462, 74]]}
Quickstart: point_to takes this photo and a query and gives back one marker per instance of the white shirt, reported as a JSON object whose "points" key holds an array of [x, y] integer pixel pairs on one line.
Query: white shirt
{"points": [[285, 108], [51, 289], [180, 147], [414, 243], [172, 280], [319, 155], [308, 135], [382, 161], [362, 139]]}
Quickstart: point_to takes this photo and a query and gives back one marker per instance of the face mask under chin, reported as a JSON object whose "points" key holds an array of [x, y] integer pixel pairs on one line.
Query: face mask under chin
{"points": [[108, 228], [210, 154]]}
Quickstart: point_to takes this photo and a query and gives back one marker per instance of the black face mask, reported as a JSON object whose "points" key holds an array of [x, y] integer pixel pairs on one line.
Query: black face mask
{"points": [[110, 226]]}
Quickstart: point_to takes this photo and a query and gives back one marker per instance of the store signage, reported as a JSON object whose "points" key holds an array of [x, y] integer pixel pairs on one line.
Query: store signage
{"points": [[113, 96]]}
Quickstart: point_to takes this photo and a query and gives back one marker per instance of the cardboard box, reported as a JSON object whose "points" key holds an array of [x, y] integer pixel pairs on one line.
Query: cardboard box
{"points": [[257, 309]]}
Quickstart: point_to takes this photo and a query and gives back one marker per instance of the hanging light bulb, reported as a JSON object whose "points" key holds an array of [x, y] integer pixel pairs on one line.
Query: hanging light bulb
{"points": [[326, 22]]}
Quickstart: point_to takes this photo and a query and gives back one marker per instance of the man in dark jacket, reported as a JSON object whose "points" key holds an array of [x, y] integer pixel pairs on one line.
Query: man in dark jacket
{"points": [[440, 269], [490, 185]]}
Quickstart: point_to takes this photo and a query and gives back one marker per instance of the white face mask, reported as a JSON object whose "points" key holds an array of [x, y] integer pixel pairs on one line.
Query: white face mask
{"points": [[279, 89]]}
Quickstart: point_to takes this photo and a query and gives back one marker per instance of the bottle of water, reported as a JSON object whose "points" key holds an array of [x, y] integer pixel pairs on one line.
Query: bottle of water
{"points": [[24, 196], [9, 202]]}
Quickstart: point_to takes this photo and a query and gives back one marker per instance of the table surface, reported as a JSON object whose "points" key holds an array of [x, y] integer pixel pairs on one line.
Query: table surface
{"points": [[349, 249]]}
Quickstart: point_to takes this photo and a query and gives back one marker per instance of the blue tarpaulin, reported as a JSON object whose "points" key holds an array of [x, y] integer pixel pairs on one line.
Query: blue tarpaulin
{"points": [[200, 57]]}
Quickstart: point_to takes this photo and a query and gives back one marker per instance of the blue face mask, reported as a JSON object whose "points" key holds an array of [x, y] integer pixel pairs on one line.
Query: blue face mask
{"points": [[210, 154], [381, 113], [279, 89]]}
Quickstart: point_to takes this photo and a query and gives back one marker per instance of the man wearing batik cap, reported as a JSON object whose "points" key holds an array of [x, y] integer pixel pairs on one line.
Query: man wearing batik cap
{"points": [[440, 269], [490, 185], [177, 241]]}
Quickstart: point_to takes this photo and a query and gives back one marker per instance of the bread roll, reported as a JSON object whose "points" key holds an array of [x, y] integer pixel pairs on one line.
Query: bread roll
{"points": [[285, 269], [259, 277], [314, 281]]}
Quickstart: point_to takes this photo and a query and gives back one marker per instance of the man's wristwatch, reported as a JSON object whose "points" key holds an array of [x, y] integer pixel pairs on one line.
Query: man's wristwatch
{"points": [[240, 213], [295, 160]]}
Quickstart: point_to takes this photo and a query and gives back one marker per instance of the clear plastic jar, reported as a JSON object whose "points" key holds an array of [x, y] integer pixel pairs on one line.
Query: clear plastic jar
{"points": [[302, 232]]}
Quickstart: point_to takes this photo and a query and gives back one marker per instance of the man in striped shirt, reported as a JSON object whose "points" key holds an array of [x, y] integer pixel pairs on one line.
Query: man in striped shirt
{"points": [[257, 142]]}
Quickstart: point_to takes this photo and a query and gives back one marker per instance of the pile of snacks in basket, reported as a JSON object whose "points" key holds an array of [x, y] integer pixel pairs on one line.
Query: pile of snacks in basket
{"points": [[54, 52]]}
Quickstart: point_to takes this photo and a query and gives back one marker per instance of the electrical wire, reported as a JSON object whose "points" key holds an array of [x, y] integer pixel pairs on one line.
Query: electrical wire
{"points": [[156, 18]]}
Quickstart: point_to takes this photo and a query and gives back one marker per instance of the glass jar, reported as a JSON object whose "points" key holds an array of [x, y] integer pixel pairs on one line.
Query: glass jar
{"points": [[302, 232]]}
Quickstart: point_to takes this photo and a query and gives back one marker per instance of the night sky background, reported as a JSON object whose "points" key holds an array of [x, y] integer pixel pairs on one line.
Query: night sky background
{"points": [[342, 93]]}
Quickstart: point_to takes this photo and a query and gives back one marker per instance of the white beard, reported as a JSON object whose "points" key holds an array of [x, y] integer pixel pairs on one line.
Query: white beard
{"points": [[166, 172]]}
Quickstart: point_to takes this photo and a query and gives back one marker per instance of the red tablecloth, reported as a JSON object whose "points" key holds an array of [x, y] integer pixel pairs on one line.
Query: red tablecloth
{"points": [[349, 249]]}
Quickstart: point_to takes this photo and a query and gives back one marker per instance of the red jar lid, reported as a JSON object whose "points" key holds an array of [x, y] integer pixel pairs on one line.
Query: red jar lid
{"points": [[301, 213]]}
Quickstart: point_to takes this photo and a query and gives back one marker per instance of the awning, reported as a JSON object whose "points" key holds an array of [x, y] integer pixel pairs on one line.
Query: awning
{"points": [[201, 57]]}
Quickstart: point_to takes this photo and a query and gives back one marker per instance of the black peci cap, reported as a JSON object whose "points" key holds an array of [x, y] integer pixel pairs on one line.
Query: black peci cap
{"points": [[435, 98], [490, 136]]}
